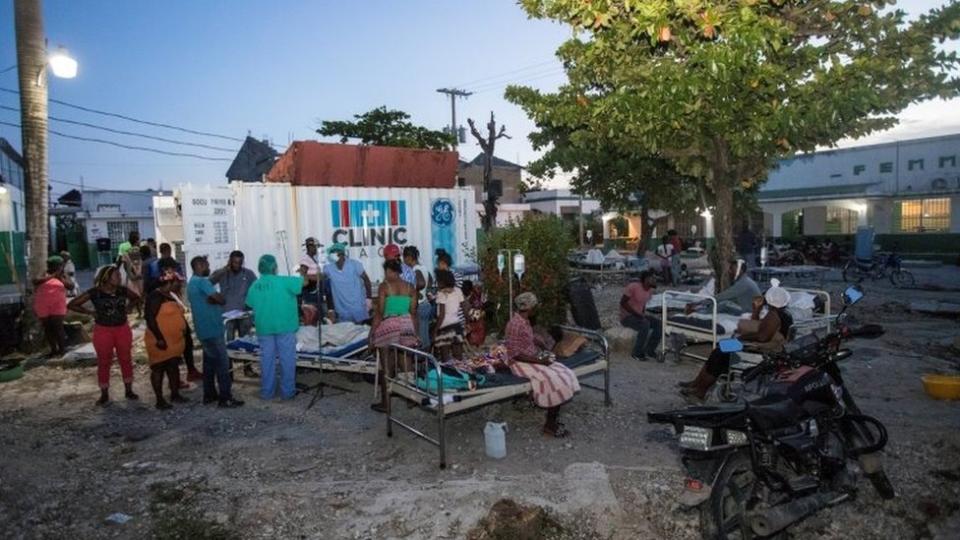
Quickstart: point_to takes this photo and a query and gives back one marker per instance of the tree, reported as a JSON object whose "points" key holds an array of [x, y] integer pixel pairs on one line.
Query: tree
{"points": [[32, 72], [723, 89], [384, 127], [487, 144], [618, 178]]}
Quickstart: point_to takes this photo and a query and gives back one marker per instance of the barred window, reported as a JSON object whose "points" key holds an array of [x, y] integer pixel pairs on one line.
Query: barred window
{"points": [[925, 215]]}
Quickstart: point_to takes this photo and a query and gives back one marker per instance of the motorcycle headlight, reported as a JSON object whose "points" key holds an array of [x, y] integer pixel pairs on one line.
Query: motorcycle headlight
{"points": [[736, 438], [696, 438]]}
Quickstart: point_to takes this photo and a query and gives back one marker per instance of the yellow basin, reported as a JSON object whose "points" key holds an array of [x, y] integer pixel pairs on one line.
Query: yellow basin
{"points": [[942, 386]]}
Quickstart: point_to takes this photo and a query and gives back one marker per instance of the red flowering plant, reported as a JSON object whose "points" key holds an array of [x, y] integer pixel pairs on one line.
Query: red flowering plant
{"points": [[545, 242]]}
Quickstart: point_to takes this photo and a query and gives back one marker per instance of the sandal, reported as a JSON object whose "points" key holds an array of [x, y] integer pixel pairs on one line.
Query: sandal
{"points": [[558, 432]]}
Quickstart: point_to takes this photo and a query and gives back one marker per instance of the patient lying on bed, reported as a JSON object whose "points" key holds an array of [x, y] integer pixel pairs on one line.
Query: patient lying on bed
{"points": [[737, 298], [552, 383]]}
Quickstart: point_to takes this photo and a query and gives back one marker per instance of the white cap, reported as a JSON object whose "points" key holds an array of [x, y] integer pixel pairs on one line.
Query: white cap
{"points": [[776, 295]]}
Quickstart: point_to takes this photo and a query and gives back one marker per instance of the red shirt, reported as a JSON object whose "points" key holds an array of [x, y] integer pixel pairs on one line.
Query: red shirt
{"points": [[637, 298], [50, 299]]}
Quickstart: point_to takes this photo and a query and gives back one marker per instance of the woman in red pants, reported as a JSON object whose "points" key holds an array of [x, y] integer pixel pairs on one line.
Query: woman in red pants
{"points": [[111, 331]]}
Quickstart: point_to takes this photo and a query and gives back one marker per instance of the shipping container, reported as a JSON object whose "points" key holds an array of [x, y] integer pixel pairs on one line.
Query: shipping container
{"points": [[312, 163], [278, 218]]}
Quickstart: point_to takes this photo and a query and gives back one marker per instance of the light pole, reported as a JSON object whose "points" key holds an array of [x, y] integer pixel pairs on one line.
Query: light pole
{"points": [[32, 60]]}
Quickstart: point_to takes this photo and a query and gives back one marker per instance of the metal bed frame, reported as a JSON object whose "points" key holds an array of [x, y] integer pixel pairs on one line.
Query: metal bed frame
{"points": [[347, 364], [702, 335], [445, 403]]}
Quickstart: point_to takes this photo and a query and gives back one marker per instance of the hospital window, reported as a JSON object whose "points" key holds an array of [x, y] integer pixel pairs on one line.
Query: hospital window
{"points": [[915, 164], [857, 169], [948, 161], [925, 215], [886, 167], [841, 220]]}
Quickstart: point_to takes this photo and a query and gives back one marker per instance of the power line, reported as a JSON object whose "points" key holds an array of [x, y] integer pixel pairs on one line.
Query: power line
{"points": [[521, 81], [132, 119], [131, 133], [127, 146], [508, 80], [501, 75]]}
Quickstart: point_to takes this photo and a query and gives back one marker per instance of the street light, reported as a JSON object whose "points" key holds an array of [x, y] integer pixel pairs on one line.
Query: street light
{"points": [[62, 64]]}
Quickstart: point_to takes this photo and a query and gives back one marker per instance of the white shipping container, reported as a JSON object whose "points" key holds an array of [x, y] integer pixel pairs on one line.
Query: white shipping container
{"points": [[278, 218]]}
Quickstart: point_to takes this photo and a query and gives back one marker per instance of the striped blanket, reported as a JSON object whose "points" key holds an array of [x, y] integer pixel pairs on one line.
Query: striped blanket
{"points": [[552, 385], [395, 330]]}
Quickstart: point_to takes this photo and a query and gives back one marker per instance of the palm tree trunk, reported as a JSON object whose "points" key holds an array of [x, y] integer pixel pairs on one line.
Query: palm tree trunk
{"points": [[31, 61]]}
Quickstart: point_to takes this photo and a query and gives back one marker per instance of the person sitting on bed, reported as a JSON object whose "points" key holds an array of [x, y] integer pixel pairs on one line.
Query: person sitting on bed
{"points": [[738, 297], [633, 305], [448, 332], [765, 335], [553, 384], [395, 320]]}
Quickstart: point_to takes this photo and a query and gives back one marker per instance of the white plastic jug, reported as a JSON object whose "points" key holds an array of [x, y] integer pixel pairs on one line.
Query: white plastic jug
{"points": [[495, 438]]}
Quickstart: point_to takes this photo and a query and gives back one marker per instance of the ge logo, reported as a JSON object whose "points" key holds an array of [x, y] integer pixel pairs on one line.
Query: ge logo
{"points": [[442, 212]]}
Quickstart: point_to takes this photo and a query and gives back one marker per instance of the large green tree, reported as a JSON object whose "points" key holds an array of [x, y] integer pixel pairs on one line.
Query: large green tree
{"points": [[723, 89], [621, 179], [385, 127]]}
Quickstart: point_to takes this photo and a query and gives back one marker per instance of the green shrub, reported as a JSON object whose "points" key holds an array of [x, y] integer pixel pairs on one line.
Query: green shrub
{"points": [[545, 242]]}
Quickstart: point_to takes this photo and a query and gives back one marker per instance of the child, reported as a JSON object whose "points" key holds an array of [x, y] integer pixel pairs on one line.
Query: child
{"points": [[448, 332]]}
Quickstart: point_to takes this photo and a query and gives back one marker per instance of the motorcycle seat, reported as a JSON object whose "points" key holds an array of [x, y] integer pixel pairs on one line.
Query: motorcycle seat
{"points": [[773, 411]]}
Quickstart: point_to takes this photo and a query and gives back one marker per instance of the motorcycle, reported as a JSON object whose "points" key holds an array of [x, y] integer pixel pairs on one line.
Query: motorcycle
{"points": [[879, 268], [785, 452]]}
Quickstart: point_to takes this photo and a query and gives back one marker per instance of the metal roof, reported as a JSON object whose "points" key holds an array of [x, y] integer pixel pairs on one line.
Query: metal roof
{"points": [[819, 191]]}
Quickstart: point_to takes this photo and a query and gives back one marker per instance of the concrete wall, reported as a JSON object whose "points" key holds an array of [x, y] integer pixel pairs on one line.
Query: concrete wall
{"points": [[472, 176]]}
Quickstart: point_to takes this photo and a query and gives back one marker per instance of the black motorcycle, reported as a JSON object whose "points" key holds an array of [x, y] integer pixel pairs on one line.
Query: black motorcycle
{"points": [[756, 467]]}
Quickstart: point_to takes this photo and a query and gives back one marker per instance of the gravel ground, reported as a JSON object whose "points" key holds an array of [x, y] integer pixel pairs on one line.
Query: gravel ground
{"points": [[280, 470]]}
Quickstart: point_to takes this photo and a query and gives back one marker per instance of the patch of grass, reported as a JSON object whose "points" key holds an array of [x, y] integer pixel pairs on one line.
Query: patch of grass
{"points": [[177, 515]]}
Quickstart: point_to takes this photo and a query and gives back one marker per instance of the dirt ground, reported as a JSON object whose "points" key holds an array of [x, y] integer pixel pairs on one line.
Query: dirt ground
{"points": [[281, 470]]}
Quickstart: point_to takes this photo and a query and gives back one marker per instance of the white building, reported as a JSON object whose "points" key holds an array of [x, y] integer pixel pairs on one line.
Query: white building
{"points": [[561, 202], [900, 188]]}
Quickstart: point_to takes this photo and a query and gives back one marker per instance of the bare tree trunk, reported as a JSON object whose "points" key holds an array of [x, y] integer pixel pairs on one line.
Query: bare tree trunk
{"points": [[723, 231], [647, 233], [31, 62], [487, 144]]}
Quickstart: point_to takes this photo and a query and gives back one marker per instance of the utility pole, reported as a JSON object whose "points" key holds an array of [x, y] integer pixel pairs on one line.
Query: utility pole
{"points": [[454, 93], [31, 62]]}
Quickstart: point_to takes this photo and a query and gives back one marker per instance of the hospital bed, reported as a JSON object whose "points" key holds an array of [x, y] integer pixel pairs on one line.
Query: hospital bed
{"points": [[348, 357], [593, 359], [712, 325]]}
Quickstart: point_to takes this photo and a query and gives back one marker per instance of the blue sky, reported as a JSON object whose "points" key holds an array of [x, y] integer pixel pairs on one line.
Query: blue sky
{"points": [[274, 68]]}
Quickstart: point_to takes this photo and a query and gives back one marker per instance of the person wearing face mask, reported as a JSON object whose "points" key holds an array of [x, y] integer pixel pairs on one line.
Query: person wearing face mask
{"points": [[350, 286]]}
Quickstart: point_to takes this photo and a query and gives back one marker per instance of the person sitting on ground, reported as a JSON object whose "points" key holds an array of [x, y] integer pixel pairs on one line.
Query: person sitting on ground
{"points": [[394, 322], [738, 297], [349, 285], [165, 336], [111, 329], [234, 281], [665, 254], [633, 315], [448, 333], [763, 335], [50, 304], [273, 299], [207, 306], [553, 384]]}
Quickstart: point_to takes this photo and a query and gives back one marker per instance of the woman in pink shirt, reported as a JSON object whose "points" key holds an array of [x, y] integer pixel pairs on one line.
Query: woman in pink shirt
{"points": [[50, 304]]}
